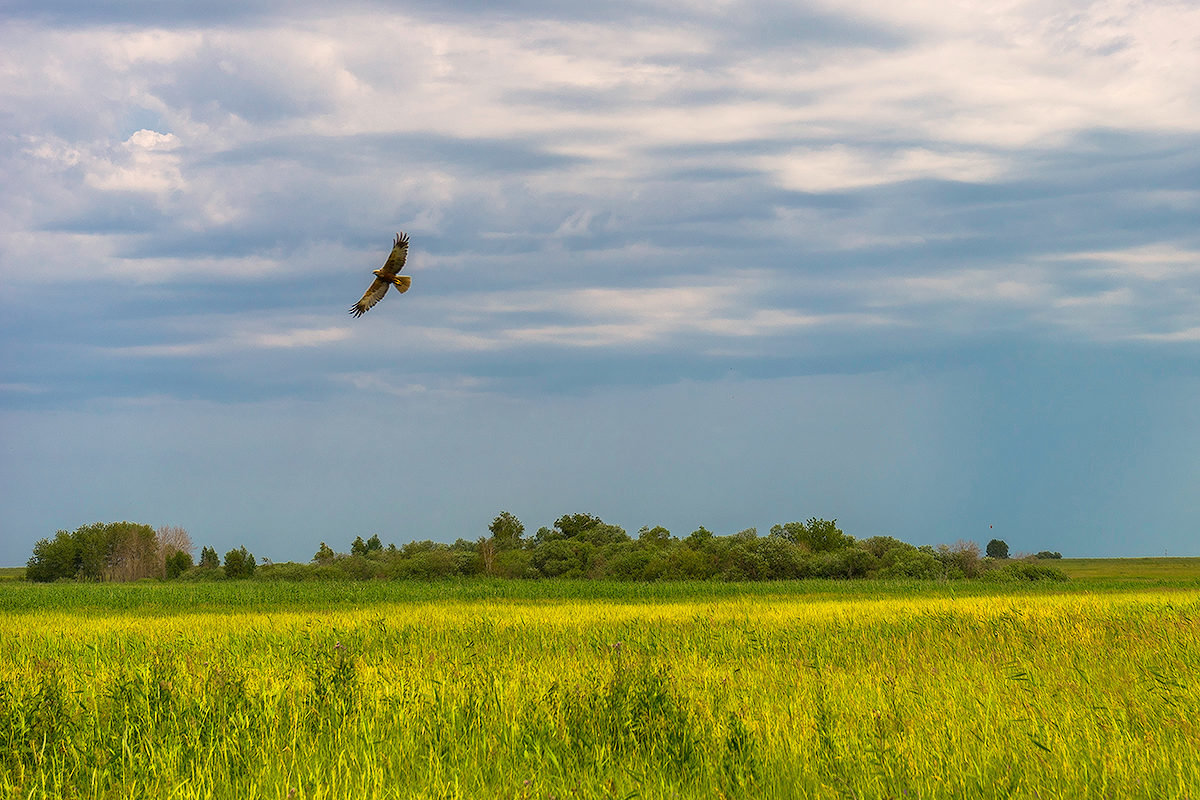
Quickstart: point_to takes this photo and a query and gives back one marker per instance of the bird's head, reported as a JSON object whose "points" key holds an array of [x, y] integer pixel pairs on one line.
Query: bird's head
{"points": [[376, 272]]}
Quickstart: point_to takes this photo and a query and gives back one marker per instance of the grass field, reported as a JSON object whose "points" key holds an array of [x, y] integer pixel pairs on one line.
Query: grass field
{"points": [[1130, 569], [557, 690]]}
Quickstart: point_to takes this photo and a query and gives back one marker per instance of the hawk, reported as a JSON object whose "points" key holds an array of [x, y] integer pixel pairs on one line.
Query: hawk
{"points": [[386, 276]]}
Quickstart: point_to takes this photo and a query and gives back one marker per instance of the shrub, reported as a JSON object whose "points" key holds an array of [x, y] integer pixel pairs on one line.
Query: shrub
{"points": [[961, 561], [239, 563], [177, 563], [1026, 571], [909, 562]]}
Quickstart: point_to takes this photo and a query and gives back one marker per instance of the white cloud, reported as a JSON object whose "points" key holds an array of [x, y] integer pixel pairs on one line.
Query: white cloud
{"points": [[844, 167], [147, 165], [1156, 262], [244, 339], [1186, 335], [1005, 286]]}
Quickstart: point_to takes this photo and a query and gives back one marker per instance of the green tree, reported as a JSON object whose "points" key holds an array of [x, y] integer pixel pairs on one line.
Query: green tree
{"points": [[178, 563], [324, 555], [818, 535], [700, 538], [100, 551], [53, 559], [239, 563], [373, 544], [573, 525], [961, 560], [655, 537], [358, 547], [208, 558], [997, 548], [506, 532]]}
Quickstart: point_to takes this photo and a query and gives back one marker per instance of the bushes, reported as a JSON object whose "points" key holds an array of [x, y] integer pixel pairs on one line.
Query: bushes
{"points": [[582, 546], [1026, 571], [177, 563], [239, 563], [579, 546]]}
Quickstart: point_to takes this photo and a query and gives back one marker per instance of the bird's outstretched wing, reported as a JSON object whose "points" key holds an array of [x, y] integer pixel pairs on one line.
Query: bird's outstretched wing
{"points": [[373, 295], [399, 255]]}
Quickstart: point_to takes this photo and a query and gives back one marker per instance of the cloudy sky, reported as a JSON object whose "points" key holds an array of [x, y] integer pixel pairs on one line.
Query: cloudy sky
{"points": [[930, 269]]}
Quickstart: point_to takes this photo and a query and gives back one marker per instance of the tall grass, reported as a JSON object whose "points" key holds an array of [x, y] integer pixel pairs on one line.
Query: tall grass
{"points": [[901, 691]]}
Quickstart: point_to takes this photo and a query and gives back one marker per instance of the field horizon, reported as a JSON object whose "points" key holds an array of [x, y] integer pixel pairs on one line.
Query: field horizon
{"points": [[1116, 567]]}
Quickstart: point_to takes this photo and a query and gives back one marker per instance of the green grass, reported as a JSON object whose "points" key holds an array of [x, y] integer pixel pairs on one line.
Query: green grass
{"points": [[1130, 569], [560, 689], [12, 573]]}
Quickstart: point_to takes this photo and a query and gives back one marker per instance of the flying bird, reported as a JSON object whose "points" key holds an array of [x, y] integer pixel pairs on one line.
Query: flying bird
{"points": [[386, 276]]}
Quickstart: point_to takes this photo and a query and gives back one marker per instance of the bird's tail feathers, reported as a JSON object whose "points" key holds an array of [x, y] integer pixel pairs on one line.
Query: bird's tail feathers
{"points": [[402, 282]]}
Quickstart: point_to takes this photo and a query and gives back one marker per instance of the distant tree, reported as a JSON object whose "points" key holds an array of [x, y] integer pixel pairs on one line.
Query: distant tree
{"points": [[96, 552], [1048, 554], [573, 525], [506, 531], [373, 544], [960, 561], [818, 535], [699, 538], [879, 545], [239, 563], [487, 555], [324, 555], [358, 547], [53, 559], [515, 564], [173, 539], [655, 537], [997, 548], [747, 536], [177, 563], [208, 558]]}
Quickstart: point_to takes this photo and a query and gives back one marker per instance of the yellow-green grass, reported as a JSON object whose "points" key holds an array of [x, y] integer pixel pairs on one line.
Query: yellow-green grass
{"points": [[12, 573], [904, 691], [1148, 569]]}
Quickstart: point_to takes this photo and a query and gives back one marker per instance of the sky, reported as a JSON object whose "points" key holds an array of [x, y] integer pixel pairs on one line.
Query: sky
{"points": [[930, 269]]}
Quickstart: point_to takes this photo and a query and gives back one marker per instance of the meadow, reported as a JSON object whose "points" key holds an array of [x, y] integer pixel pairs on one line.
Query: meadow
{"points": [[557, 689]]}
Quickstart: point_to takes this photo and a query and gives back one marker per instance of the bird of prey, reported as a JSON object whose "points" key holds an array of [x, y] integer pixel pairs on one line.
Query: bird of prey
{"points": [[386, 276]]}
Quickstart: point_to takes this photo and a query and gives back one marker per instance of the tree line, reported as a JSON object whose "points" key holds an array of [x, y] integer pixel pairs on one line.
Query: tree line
{"points": [[579, 546], [127, 551]]}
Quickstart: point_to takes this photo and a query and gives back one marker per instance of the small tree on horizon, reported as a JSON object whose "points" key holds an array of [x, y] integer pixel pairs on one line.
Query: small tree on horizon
{"points": [[324, 555], [239, 563], [997, 548], [179, 562], [208, 558], [173, 539], [506, 531]]}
